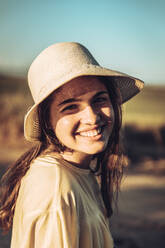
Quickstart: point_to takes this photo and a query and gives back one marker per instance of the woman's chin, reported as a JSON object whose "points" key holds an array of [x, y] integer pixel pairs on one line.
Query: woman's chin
{"points": [[91, 150]]}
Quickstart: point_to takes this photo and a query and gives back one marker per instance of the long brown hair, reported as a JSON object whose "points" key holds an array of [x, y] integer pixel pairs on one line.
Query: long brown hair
{"points": [[109, 166]]}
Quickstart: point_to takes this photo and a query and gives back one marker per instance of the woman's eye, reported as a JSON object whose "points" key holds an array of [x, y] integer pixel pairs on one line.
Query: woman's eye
{"points": [[101, 99], [70, 107]]}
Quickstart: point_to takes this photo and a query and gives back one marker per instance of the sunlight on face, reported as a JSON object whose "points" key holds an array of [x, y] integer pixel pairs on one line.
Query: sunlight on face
{"points": [[82, 116]]}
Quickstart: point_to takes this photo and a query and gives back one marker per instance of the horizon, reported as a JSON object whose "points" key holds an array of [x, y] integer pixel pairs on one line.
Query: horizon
{"points": [[24, 77]]}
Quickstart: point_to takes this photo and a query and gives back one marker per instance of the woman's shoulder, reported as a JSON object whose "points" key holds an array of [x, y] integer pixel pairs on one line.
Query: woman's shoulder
{"points": [[47, 172], [46, 167], [45, 182], [42, 170]]}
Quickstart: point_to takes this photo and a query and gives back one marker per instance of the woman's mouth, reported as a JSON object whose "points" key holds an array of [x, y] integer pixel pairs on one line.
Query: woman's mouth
{"points": [[91, 133]]}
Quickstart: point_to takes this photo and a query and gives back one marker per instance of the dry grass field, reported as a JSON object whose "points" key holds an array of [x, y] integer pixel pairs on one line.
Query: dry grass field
{"points": [[147, 109], [145, 112], [140, 220]]}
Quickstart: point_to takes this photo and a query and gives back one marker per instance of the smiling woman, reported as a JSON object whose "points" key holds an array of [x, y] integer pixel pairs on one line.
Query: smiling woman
{"points": [[86, 115], [51, 195]]}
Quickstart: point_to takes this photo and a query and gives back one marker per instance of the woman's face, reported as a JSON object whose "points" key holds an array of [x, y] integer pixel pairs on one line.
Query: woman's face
{"points": [[82, 115]]}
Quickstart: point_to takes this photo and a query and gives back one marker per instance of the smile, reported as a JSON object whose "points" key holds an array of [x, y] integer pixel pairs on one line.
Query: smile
{"points": [[91, 133]]}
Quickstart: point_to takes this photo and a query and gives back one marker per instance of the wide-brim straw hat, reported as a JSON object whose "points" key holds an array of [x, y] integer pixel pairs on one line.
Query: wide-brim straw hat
{"points": [[57, 65]]}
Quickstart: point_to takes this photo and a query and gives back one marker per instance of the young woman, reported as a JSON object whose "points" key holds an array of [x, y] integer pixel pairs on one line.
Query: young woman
{"points": [[60, 193]]}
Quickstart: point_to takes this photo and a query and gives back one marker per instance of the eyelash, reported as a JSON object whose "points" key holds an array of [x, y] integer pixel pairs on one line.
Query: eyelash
{"points": [[101, 99], [70, 107], [73, 106]]}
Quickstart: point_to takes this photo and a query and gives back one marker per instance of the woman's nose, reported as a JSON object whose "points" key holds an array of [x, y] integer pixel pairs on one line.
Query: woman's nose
{"points": [[90, 116]]}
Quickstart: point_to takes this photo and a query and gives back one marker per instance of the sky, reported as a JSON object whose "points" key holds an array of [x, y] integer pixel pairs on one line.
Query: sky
{"points": [[123, 35]]}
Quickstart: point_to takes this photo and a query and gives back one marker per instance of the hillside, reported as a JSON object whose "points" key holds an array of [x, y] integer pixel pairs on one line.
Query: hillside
{"points": [[144, 116], [147, 109]]}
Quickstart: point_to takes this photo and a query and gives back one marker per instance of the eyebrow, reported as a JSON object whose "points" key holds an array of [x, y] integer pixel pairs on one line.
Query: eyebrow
{"points": [[70, 100]]}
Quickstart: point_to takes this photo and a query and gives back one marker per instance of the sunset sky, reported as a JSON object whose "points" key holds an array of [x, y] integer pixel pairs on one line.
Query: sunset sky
{"points": [[124, 35]]}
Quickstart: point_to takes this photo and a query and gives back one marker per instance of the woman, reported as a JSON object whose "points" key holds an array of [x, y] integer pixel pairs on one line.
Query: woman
{"points": [[60, 193]]}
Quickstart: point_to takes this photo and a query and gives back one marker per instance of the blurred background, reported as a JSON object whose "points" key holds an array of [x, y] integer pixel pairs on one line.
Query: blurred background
{"points": [[127, 36]]}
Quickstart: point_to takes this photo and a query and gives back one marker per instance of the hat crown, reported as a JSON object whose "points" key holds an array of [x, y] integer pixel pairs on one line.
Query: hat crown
{"points": [[55, 62]]}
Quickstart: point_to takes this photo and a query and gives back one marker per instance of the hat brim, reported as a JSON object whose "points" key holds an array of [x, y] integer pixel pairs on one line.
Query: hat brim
{"points": [[127, 85]]}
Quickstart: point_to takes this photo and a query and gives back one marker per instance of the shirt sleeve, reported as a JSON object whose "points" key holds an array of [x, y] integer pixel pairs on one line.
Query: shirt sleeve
{"points": [[54, 228], [46, 214], [57, 229]]}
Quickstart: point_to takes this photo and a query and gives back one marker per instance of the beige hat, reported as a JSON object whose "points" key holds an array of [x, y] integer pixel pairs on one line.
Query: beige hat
{"points": [[57, 65]]}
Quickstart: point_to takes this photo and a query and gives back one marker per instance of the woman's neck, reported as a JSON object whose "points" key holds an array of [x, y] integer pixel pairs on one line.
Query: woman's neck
{"points": [[80, 160]]}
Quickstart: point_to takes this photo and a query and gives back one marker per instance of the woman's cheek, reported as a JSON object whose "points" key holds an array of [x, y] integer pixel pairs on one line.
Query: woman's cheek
{"points": [[108, 112], [64, 126]]}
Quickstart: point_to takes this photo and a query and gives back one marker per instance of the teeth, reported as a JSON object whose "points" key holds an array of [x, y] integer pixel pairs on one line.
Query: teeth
{"points": [[91, 133]]}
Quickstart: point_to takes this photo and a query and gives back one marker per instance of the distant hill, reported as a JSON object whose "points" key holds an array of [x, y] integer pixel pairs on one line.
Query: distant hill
{"points": [[145, 109], [9, 84]]}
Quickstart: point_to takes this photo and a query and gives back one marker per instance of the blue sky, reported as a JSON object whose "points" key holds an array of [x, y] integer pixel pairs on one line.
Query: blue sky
{"points": [[124, 35]]}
